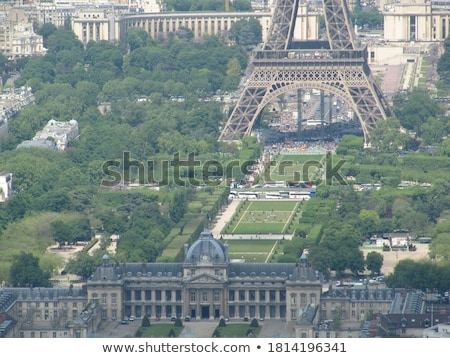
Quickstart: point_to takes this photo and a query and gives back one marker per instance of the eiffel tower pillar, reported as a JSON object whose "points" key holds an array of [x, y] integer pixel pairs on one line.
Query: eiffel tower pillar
{"points": [[342, 70]]}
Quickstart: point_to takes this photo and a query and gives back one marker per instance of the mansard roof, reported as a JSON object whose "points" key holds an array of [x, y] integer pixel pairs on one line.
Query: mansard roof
{"points": [[206, 247], [132, 269]]}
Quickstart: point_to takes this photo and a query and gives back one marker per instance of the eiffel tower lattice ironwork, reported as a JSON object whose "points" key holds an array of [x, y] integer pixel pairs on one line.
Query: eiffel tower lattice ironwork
{"points": [[341, 70]]}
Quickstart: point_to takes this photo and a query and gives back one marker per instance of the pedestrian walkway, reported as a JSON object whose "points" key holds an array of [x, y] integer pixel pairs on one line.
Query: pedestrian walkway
{"points": [[199, 329], [224, 217]]}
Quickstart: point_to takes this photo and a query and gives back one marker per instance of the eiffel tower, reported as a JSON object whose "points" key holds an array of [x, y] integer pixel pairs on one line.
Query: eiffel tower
{"points": [[341, 70]]}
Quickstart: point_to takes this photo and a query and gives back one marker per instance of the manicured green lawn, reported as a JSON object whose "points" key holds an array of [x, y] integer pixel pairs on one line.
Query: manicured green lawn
{"points": [[264, 217], [251, 250], [300, 158], [259, 228], [269, 205], [243, 246]]}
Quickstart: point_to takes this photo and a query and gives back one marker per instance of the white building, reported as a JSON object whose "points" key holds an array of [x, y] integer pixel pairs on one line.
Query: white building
{"points": [[24, 42], [441, 330], [5, 186], [55, 135], [415, 21]]}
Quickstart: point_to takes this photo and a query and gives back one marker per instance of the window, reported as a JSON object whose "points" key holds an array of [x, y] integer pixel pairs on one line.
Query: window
{"points": [[293, 299], [272, 296], [205, 296], [148, 295], [303, 299], [114, 299], [216, 295], [114, 314], [158, 295], [104, 299], [293, 314], [192, 296], [251, 295], [262, 295], [179, 295], [127, 295], [104, 314], [138, 295], [231, 295], [168, 295], [241, 295]]}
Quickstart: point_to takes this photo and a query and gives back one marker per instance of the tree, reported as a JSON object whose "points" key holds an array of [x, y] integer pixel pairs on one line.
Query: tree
{"points": [[145, 321], [247, 32], [136, 38], [178, 322], [25, 272], [415, 108], [374, 262], [254, 323], [82, 264], [388, 137], [61, 232], [443, 65]]}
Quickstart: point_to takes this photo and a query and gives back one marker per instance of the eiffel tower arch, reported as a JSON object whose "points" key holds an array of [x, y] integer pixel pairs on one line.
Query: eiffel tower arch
{"points": [[277, 68]]}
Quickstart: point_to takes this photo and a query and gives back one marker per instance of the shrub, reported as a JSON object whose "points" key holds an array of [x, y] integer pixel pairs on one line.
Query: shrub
{"points": [[222, 323], [216, 333], [254, 323], [178, 322], [145, 322]]}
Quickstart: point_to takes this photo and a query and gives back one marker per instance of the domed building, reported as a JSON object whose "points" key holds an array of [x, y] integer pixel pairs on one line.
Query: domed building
{"points": [[207, 285]]}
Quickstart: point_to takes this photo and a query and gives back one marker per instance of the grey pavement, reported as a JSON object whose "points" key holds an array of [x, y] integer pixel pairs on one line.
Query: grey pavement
{"points": [[270, 328]]}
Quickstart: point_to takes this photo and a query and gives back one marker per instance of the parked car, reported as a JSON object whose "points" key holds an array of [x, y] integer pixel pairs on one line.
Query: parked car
{"points": [[124, 321], [246, 319], [131, 318], [187, 319]]}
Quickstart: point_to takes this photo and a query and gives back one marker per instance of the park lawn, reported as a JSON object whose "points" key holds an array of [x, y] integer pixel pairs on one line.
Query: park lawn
{"points": [[259, 228], [254, 257], [250, 250], [241, 246], [237, 330], [158, 330], [301, 158], [269, 205], [266, 217]]}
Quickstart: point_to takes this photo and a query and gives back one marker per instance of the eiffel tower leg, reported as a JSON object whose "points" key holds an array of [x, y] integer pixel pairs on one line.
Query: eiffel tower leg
{"points": [[244, 114]]}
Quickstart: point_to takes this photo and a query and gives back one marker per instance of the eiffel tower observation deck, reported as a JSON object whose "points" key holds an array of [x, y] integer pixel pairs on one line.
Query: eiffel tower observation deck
{"points": [[279, 67]]}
